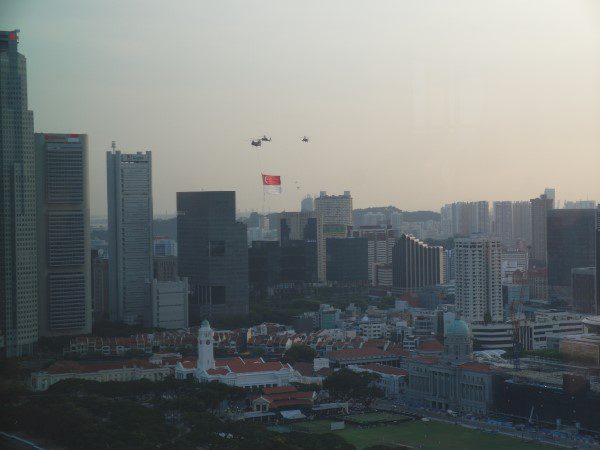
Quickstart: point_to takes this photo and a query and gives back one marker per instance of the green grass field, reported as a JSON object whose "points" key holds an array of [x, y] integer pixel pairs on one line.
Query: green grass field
{"points": [[433, 435], [418, 434]]}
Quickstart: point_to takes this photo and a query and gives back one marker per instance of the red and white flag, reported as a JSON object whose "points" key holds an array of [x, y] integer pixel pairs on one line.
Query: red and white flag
{"points": [[271, 184]]}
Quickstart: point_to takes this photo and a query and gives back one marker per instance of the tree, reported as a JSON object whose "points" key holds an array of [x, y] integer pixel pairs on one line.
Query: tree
{"points": [[300, 353], [347, 384]]}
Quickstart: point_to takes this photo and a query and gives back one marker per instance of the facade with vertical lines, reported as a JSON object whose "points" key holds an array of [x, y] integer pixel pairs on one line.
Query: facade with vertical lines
{"points": [[63, 234], [18, 246], [130, 236], [416, 265]]}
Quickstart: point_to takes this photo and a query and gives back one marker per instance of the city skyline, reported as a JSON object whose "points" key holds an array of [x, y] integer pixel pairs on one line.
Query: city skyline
{"points": [[480, 110]]}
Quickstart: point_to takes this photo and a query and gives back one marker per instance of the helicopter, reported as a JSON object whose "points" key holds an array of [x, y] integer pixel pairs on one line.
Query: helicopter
{"points": [[304, 139], [265, 138], [256, 143]]}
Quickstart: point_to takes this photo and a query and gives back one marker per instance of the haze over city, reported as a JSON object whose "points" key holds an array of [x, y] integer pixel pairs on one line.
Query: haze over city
{"points": [[412, 104]]}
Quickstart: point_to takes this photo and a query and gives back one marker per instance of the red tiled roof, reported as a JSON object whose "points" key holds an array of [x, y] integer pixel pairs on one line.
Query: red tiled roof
{"points": [[278, 390], [292, 402], [431, 345], [190, 363], [388, 370], [304, 369], [75, 367], [218, 371]]}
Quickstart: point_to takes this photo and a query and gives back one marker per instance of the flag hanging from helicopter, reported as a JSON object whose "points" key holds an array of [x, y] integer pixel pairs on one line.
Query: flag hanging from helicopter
{"points": [[271, 184]]}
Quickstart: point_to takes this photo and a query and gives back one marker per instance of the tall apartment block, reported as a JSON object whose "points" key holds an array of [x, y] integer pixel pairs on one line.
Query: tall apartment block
{"points": [[416, 265], [381, 241], [130, 236], [503, 223], [466, 218], [478, 280], [63, 234], [212, 254], [18, 245], [522, 222], [539, 212], [334, 219]]}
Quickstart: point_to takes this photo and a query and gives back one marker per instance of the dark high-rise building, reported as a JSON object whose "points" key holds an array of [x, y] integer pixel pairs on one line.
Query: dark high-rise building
{"points": [[100, 287], [583, 280], [299, 261], [165, 268], [18, 244], [571, 243], [264, 269], [347, 260], [597, 262], [212, 254], [415, 264], [63, 234], [539, 211]]}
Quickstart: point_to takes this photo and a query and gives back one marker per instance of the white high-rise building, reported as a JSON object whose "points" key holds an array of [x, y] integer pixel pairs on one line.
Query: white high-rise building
{"points": [[170, 303], [130, 236], [334, 218], [478, 280], [503, 222], [380, 242]]}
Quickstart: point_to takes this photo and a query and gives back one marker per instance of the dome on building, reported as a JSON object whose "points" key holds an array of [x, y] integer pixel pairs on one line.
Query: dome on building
{"points": [[205, 324], [365, 319], [458, 327]]}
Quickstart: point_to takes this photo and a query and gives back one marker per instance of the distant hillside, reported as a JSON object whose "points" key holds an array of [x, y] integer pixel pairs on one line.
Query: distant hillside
{"points": [[421, 216], [408, 216]]}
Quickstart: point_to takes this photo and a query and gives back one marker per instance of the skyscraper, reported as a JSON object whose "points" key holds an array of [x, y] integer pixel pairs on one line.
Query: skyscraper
{"points": [[522, 222], [381, 241], [503, 222], [478, 280], [63, 234], [212, 254], [307, 204], [539, 211], [334, 218], [466, 218], [18, 247], [571, 243], [416, 265], [292, 225], [130, 236]]}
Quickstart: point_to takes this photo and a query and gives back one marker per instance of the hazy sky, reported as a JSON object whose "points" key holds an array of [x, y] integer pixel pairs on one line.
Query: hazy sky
{"points": [[409, 103]]}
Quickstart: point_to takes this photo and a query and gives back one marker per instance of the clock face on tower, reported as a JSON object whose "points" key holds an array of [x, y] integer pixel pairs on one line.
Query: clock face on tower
{"points": [[207, 342]]}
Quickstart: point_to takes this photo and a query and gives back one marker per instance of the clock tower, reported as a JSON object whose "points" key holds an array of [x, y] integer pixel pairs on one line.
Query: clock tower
{"points": [[206, 358]]}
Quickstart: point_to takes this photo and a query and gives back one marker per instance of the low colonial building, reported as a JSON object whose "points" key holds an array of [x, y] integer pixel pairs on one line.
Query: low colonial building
{"points": [[452, 381], [393, 380], [243, 372], [135, 369], [361, 356]]}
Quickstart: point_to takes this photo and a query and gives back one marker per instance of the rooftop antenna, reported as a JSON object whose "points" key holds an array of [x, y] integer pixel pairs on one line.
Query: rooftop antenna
{"points": [[113, 146]]}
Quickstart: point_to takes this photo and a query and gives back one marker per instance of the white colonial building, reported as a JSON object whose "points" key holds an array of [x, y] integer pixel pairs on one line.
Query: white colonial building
{"points": [[243, 372]]}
